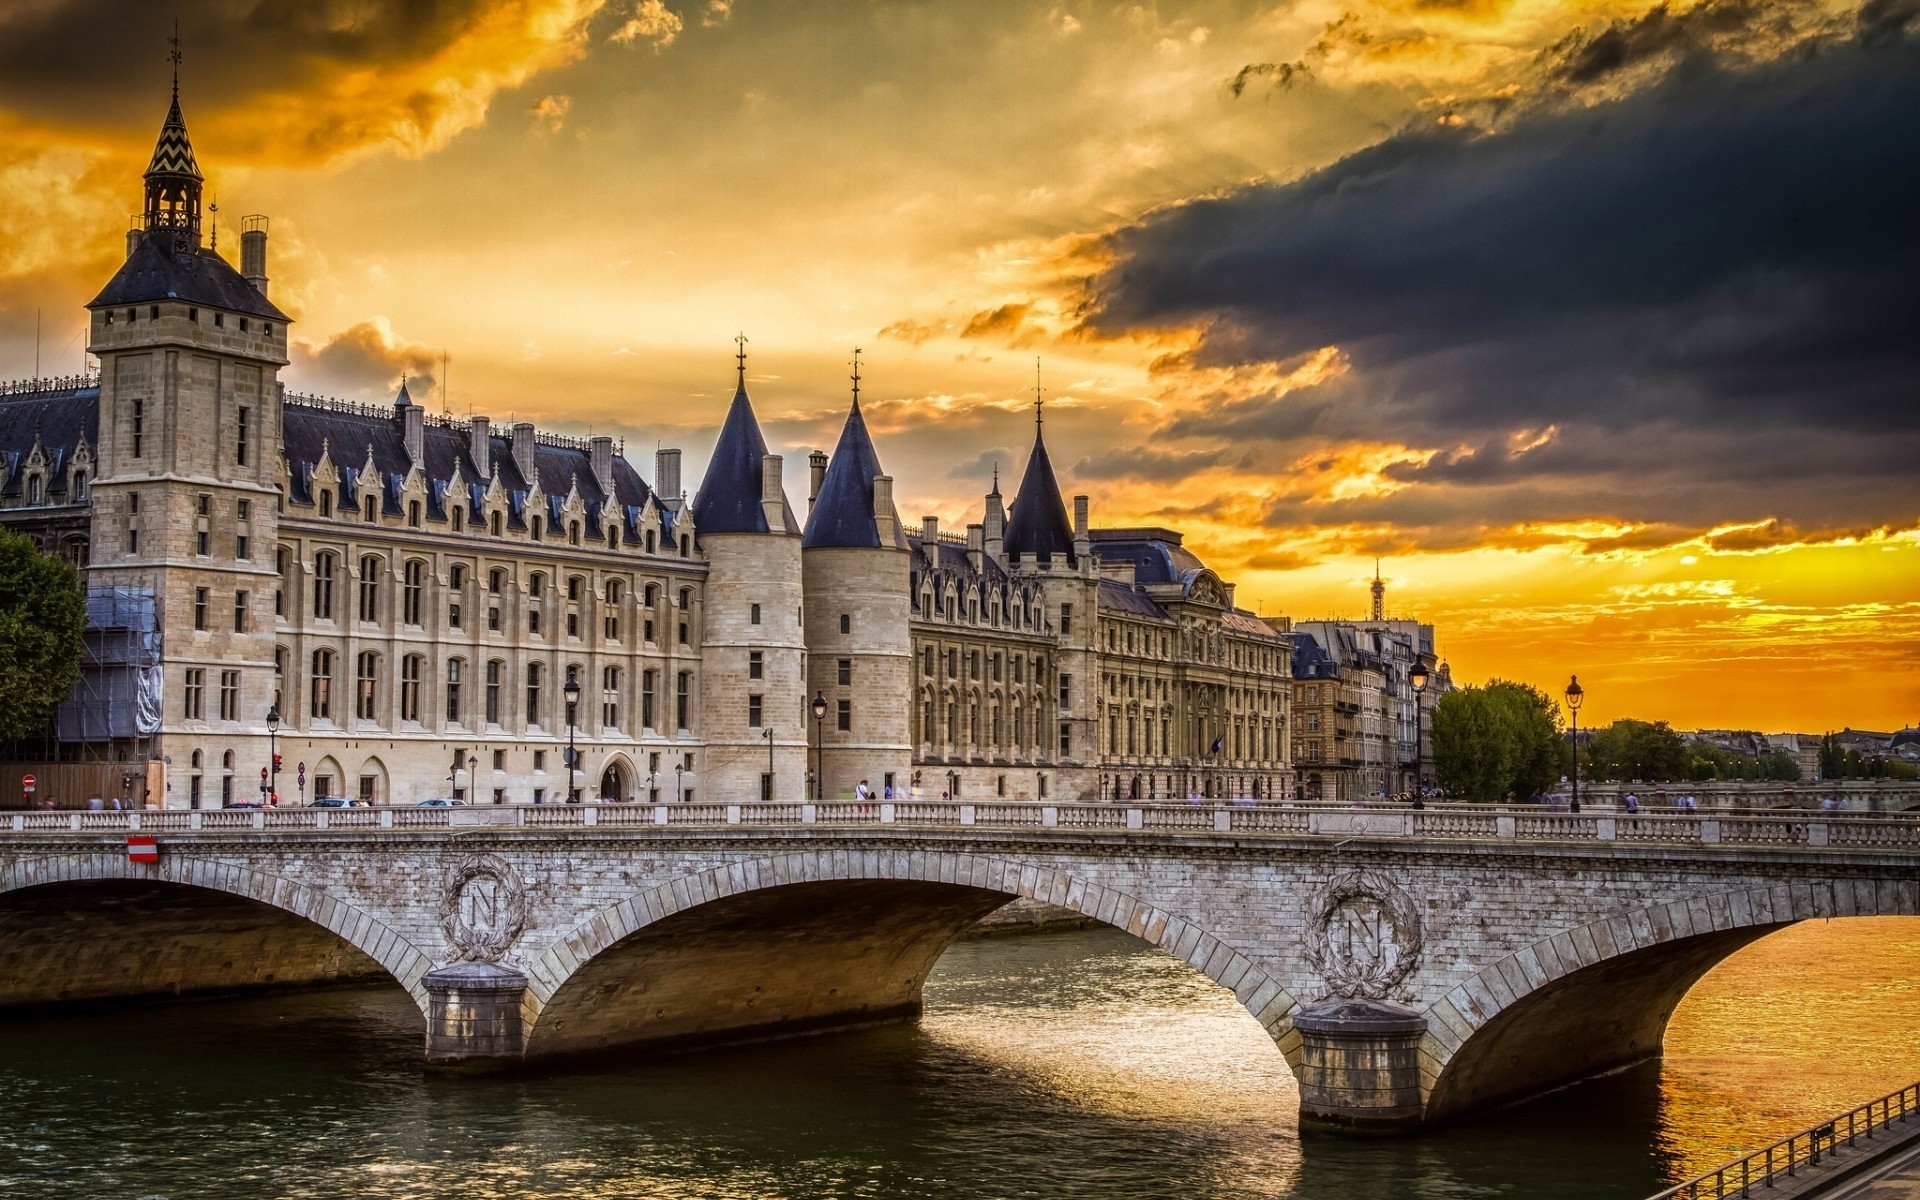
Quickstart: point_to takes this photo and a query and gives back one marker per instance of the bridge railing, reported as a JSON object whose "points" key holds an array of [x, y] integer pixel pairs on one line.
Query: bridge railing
{"points": [[1452, 822], [1804, 1150]]}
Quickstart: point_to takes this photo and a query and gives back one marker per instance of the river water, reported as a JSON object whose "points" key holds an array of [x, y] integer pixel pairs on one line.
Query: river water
{"points": [[1077, 1065]]}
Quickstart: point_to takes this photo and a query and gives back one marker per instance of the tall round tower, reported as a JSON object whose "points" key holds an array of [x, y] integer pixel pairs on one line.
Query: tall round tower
{"points": [[752, 701], [855, 564]]}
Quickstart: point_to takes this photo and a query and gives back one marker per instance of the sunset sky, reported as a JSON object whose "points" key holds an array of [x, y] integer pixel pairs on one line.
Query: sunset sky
{"points": [[1597, 322]]}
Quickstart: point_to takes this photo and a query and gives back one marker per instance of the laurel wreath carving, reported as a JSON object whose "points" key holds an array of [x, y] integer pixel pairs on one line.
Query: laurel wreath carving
{"points": [[472, 944], [1351, 977]]}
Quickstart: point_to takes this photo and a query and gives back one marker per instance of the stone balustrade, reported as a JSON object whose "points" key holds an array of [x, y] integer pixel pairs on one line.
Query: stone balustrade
{"points": [[1452, 822]]}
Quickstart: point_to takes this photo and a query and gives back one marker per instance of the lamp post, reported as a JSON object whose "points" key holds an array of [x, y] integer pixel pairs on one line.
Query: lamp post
{"points": [[572, 689], [273, 751], [1575, 694], [1418, 677], [769, 734], [679, 793], [819, 745]]}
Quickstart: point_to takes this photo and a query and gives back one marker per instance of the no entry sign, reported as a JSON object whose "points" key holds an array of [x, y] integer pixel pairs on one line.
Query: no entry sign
{"points": [[143, 849], [28, 783]]}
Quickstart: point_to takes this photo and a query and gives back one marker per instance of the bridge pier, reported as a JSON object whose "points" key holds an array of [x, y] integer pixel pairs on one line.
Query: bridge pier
{"points": [[473, 1016], [1360, 1067]]}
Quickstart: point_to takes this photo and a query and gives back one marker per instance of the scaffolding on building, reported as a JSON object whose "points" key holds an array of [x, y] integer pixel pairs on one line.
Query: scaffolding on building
{"points": [[114, 709]]}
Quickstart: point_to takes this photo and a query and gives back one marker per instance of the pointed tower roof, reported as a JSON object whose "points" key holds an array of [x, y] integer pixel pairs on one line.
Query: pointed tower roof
{"points": [[405, 397], [729, 497], [1037, 524], [843, 512], [173, 153]]}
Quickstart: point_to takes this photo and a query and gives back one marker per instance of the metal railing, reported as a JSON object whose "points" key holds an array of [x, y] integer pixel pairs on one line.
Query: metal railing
{"points": [[1783, 1159], [1450, 823]]}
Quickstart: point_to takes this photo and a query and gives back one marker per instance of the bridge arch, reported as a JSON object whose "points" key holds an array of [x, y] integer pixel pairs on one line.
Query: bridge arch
{"points": [[1598, 996], [306, 909], [579, 986]]}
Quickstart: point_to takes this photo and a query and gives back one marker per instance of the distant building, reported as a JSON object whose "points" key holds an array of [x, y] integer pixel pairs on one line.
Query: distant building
{"points": [[1360, 728]]}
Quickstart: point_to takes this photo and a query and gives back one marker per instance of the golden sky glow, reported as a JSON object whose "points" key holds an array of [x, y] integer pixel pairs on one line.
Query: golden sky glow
{"points": [[581, 202]]}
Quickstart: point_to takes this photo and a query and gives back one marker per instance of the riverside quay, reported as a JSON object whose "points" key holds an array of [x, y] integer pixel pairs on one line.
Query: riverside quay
{"points": [[1411, 965]]}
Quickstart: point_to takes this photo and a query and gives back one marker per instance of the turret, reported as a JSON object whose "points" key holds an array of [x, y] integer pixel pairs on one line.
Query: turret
{"points": [[752, 646], [859, 650]]}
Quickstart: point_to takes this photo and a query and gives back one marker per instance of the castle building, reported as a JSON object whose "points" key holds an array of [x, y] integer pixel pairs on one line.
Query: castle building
{"points": [[404, 605]]}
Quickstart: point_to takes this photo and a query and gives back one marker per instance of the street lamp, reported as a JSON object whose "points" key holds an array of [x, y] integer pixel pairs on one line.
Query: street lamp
{"points": [[769, 736], [819, 745], [1575, 694], [572, 689], [1418, 678], [679, 793], [273, 750]]}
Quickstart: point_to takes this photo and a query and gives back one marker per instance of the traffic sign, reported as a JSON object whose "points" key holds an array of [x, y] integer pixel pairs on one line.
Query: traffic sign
{"points": [[27, 784]]}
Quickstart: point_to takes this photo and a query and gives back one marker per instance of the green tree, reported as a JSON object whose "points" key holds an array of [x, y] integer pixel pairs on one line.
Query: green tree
{"points": [[1496, 740], [1642, 750], [42, 617]]}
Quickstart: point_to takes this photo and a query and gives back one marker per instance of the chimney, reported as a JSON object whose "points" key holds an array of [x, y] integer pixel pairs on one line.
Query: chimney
{"points": [[521, 447], [976, 547], [817, 475], [253, 251], [773, 499], [1082, 541], [135, 232], [666, 478], [600, 454], [413, 419], [886, 522], [996, 527], [480, 445], [930, 535]]}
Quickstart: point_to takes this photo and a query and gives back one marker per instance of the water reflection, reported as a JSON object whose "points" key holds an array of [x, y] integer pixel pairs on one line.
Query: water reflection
{"points": [[1072, 1065]]}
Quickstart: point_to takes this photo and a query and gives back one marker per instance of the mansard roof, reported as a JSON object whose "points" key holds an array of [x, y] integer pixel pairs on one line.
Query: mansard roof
{"points": [[842, 513], [1116, 596], [729, 497], [156, 271], [1157, 554], [346, 432], [1037, 524], [59, 418]]}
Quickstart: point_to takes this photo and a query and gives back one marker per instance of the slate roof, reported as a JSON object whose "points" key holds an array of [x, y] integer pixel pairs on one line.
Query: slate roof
{"points": [[1248, 625], [346, 436], [1037, 523], [729, 497], [173, 152], [59, 418], [155, 271], [1116, 596], [842, 513], [952, 559], [1311, 660], [1157, 555]]}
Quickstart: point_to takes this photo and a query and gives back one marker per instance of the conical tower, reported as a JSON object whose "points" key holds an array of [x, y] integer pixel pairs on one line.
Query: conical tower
{"points": [[859, 651], [752, 694]]}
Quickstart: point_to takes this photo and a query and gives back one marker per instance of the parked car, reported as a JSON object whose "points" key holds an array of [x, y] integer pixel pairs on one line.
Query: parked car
{"points": [[331, 802], [440, 802]]}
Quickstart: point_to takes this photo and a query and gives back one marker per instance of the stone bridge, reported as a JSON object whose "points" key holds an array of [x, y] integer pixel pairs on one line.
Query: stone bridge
{"points": [[1409, 965]]}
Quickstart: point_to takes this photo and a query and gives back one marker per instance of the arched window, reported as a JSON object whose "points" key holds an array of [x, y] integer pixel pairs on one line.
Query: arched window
{"points": [[36, 489], [496, 578], [573, 587], [536, 675], [496, 674], [683, 698], [369, 588], [79, 486], [320, 704], [323, 565], [536, 585]]}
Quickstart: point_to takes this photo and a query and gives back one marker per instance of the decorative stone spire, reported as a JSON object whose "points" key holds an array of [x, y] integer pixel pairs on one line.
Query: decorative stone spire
{"points": [[173, 177]]}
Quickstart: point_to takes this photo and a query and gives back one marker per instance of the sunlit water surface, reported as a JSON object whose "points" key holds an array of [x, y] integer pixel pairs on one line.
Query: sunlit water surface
{"points": [[1059, 1065]]}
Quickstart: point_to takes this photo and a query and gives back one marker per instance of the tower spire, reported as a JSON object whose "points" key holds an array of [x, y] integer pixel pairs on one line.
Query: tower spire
{"points": [[856, 377], [740, 356], [1038, 393], [174, 41]]}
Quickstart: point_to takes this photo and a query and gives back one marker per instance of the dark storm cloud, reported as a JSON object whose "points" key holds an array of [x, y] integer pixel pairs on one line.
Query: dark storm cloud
{"points": [[1726, 248]]}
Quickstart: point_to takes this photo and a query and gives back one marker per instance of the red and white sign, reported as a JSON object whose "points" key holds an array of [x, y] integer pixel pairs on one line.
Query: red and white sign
{"points": [[27, 784], [142, 849]]}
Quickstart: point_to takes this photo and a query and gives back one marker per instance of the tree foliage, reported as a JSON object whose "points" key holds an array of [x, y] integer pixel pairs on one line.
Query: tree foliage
{"points": [[1498, 740], [42, 618], [1651, 751]]}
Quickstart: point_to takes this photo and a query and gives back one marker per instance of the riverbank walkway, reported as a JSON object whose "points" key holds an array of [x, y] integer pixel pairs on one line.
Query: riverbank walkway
{"points": [[1869, 1153]]}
